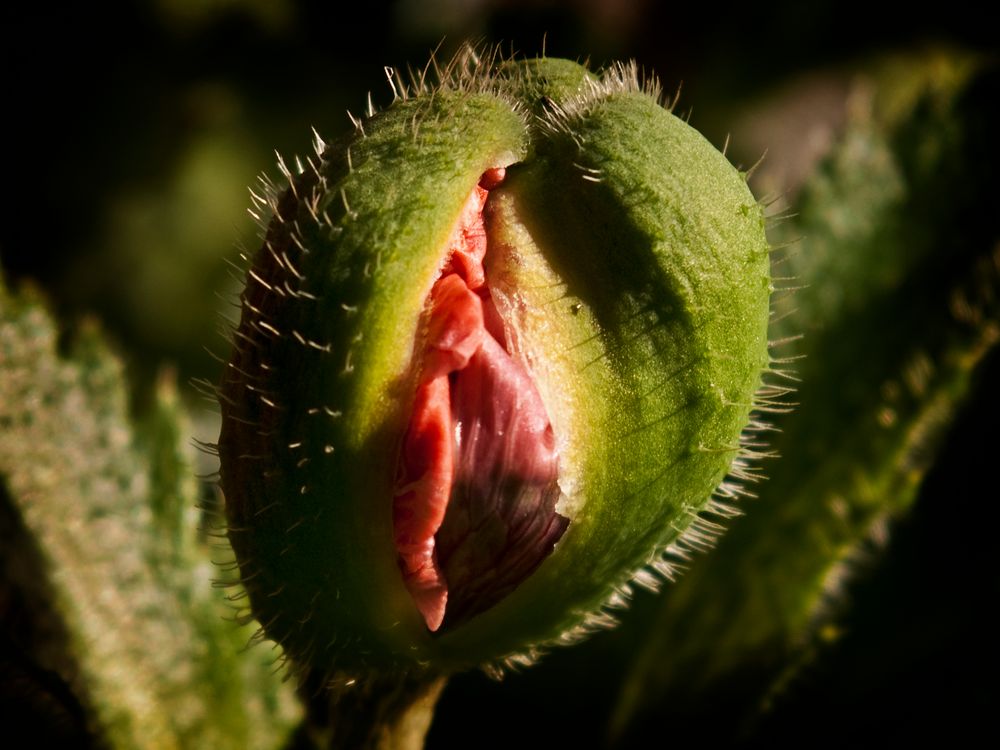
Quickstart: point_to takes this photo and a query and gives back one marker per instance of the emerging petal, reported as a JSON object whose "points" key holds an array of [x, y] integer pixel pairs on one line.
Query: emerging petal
{"points": [[474, 510]]}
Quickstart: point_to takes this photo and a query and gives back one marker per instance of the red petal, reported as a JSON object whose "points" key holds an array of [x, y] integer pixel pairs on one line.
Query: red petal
{"points": [[474, 510]]}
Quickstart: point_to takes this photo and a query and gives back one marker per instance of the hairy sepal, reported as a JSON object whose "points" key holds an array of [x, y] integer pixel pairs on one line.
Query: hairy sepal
{"points": [[309, 492], [632, 264]]}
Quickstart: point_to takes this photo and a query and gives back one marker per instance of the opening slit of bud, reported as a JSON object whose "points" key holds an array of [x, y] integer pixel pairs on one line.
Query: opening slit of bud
{"points": [[477, 480]]}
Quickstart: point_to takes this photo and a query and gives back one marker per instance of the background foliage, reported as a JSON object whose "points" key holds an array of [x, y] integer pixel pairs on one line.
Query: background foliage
{"points": [[849, 601]]}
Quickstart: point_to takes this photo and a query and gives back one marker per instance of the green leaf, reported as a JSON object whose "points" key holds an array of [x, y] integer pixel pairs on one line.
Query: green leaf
{"points": [[103, 514], [899, 305]]}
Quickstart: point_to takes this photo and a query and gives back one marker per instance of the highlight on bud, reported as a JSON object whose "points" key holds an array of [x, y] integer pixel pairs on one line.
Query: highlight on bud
{"points": [[497, 354]]}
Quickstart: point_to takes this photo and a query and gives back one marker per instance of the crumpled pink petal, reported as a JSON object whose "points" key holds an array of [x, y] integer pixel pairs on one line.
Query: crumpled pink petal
{"points": [[474, 509]]}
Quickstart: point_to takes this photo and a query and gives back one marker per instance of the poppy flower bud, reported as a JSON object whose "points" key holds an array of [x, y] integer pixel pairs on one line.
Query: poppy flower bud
{"points": [[495, 355]]}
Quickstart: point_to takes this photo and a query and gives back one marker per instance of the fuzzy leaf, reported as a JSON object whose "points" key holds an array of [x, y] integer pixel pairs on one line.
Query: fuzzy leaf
{"points": [[900, 304], [101, 522]]}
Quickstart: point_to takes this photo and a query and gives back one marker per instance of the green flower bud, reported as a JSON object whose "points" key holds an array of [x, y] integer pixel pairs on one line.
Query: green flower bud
{"points": [[495, 356]]}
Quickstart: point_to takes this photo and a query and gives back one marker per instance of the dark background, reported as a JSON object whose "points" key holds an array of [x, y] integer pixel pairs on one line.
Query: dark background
{"points": [[130, 133]]}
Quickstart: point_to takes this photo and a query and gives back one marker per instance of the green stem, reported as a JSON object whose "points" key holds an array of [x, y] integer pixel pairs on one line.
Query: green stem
{"points": [[378, 714]]}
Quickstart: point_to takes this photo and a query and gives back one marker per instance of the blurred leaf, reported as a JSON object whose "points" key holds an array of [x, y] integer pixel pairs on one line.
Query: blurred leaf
{"points": [[192, 15], [108, 528], [901, 274], [162, 265]]}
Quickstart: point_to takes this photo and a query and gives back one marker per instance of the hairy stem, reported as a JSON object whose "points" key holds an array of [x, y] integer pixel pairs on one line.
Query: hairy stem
{"points": [[379, 714]]}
